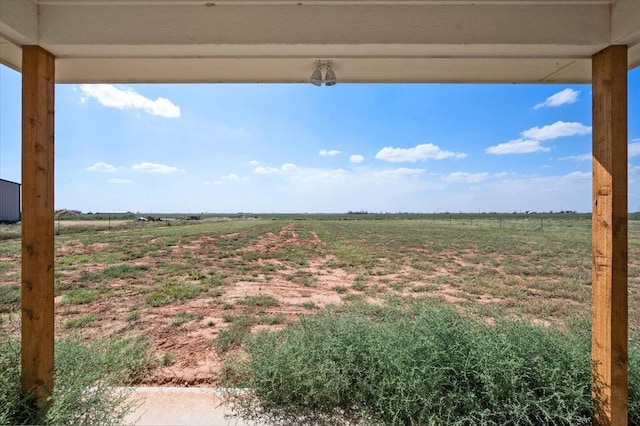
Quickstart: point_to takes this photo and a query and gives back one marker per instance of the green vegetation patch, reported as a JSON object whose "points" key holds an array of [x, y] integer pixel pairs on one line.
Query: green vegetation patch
{"points": [[85, 380], [9, 298], [133, 316], [261, 300], [238, 329], [352, 255], [183, 318], [80, 322], [306, 278], [436, 367], [171, 291], [118, 271], [79, 296]]}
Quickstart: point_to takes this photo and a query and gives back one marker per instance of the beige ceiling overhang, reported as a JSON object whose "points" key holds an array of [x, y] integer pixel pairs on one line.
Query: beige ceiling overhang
{"points": [[486, 41]]}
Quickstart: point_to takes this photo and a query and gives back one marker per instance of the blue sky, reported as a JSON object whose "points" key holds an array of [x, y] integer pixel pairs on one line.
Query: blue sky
{"points": [[300, 148]]}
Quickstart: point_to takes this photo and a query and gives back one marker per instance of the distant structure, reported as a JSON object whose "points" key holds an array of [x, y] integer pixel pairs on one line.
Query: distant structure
{"points": [[9, 201]]}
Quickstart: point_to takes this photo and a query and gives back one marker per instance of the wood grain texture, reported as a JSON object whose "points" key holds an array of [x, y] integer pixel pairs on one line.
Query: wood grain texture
{"points": [[610, 250], [37, 222]]}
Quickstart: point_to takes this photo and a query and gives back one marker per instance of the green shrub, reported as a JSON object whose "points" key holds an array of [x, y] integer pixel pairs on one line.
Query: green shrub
{"points": [[439, 367], [13, 407], [84, 392], [634, 380]]}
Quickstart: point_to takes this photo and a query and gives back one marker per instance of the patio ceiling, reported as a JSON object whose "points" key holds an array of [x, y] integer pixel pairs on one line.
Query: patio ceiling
{"points": [[502, 41]]}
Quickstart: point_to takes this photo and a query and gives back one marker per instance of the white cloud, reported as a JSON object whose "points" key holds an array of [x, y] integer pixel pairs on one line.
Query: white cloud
{"points": [[518, 146], [356, 158], [556, 130], [289, 167], [399, 173], [418, 152], [114, 97], [101, 167], [235, 178], [466, 177], [326, 153], [265, 170], [119, 181], [579, 158], [253, 163], [634, 148], [155, 168], [564, 97]]}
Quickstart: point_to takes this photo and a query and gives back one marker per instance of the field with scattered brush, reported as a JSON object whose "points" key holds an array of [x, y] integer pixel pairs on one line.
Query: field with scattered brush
{"points": [[187, 294]]}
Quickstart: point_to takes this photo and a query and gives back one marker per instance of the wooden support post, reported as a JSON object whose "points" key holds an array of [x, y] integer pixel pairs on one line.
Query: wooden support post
{"points": [[610, 251], [37, 223]]}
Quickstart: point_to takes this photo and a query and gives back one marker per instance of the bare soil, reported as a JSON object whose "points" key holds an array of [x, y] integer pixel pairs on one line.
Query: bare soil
{"points": [[187, 349]]}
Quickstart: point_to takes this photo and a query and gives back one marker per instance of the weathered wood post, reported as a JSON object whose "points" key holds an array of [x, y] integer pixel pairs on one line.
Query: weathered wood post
{"points": [[609, 233], [38, 67]]}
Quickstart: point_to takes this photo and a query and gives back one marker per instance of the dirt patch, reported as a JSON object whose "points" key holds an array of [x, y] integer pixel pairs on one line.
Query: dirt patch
{"points": [[182, 334]]}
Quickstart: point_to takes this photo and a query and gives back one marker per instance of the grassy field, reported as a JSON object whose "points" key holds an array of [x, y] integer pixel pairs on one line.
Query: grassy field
{"points": [[194, 289]]}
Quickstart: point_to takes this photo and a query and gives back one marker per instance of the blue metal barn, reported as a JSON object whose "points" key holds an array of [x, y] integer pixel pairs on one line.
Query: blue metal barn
{"points": [[9, 201]]}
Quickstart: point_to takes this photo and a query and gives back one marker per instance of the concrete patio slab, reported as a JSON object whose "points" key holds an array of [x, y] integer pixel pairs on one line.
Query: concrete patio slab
{"points": [[181, 406]]}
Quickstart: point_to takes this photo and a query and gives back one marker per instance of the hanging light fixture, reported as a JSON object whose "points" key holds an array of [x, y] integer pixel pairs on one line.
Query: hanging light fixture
{"points": [[330, 75], [316, 77]]}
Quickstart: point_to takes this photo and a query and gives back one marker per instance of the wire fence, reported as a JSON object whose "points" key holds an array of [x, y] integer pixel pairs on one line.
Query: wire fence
{"points": [[523, 222]]}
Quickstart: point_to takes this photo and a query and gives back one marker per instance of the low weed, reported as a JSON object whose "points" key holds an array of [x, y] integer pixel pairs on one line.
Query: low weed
{"points": [[360, 283], [122, 271], [80, 296], [274, 319], [9, 298], [171, 291], [351, 255], [214, 279], [183, 318], [297, 255], [304, 278], [80, 322], [235, 333], [309, 305], [261, 300], [424, 288]]}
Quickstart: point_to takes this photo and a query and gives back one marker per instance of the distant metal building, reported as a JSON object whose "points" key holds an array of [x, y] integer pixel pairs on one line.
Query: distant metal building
{"points": [[9, 201]]}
